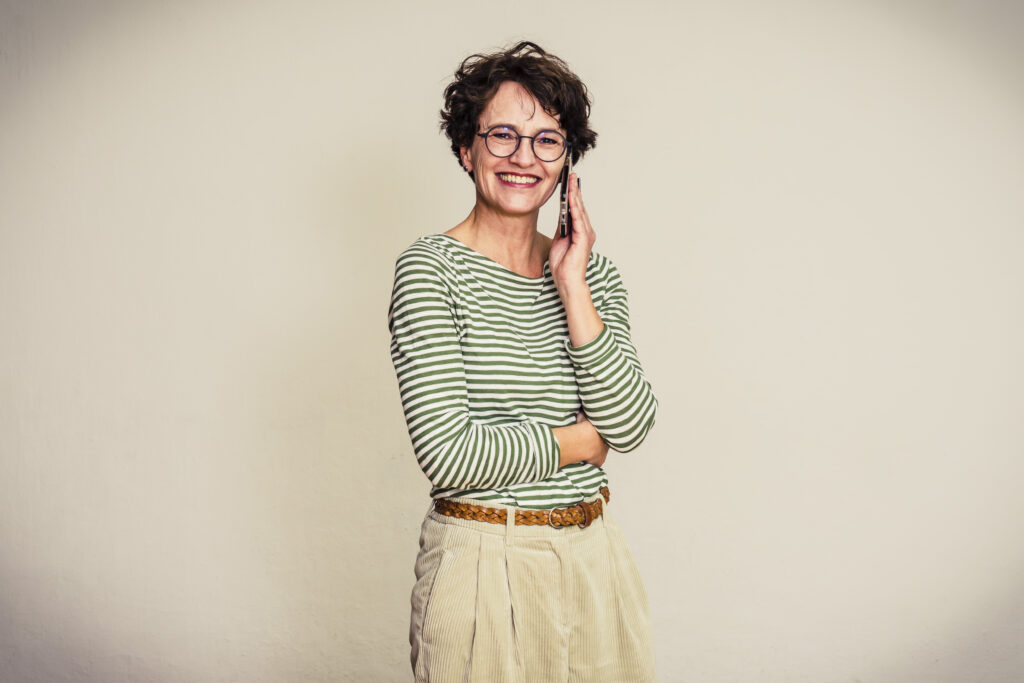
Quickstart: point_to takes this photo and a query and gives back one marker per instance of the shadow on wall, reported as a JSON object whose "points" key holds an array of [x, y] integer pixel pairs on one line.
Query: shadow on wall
{"points": [[59, 631], [992, 639]]}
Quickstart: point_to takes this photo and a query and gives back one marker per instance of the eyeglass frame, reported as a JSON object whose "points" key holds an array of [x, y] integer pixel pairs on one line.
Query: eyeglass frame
{"points": [[519, 140]]}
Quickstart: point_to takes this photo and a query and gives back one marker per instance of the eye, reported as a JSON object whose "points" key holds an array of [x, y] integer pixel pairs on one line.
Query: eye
{"points": [[549, 139], [503, 134]]}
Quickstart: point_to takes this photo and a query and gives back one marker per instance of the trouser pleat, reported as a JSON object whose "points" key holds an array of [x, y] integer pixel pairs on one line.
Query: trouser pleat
{"points": [[537, 586]]}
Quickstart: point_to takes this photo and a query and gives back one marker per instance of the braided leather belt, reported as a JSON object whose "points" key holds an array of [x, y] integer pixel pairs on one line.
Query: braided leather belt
{"points": [[581, 514]]}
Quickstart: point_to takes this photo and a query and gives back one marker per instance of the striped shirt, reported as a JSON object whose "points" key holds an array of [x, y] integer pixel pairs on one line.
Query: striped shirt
{"points": [[485, 370]]}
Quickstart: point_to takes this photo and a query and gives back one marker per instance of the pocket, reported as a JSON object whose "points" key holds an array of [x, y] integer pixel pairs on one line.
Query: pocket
{"points": [[443, 638], [428, 564]]}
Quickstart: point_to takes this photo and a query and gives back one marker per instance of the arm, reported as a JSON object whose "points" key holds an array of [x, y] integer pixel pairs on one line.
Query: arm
{"points": [[616, 396], [453, 451]]}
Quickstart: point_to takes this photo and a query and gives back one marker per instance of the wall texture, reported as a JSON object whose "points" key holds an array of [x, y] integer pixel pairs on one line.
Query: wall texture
{"points": [[817, 207]]}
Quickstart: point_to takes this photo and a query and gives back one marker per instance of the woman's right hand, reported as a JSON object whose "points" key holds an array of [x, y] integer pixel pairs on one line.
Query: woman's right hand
{"points": [[598, 459], [580, 443]]}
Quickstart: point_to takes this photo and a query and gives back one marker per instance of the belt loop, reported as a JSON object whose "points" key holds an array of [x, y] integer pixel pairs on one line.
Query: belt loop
{"points": [[510, 526]]}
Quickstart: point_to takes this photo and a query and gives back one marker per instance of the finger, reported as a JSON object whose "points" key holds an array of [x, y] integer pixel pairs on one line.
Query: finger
{"points": [[574, 187], [581, 219], [575, 201], [576, 197]]}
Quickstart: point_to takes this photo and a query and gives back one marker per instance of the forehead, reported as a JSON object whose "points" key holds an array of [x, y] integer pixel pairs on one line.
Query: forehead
{"points": [[515, 105]]}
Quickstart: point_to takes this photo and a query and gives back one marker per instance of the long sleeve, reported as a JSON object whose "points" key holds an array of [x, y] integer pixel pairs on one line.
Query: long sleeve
{"points": [[452, 450], [616, 396]]}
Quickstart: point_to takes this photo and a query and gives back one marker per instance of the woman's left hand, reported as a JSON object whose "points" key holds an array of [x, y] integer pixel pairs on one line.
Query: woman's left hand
{"points": [[569, 255]]}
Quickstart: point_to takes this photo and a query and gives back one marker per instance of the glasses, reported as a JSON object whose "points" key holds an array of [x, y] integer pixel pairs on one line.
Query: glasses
{"points": [[503, 141]]}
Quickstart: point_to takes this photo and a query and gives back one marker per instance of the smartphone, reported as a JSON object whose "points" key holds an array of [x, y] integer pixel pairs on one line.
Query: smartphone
{"points": [[564, 215]]}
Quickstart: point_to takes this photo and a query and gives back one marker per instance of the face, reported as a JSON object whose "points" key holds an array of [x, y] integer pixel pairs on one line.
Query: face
{"points": [[520, 184]]}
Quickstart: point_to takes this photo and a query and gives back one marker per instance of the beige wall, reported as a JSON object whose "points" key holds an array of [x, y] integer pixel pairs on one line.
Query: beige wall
{"points": [[818, 209]]}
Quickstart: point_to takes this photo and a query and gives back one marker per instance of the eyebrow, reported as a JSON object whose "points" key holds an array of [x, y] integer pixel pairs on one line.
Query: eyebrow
{"points": [[516, 129]]}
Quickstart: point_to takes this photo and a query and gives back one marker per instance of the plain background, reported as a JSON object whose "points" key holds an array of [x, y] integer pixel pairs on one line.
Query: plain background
{"points": [[817, 208]]}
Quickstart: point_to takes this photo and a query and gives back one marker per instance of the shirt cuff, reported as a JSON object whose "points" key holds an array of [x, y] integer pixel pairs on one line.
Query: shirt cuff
{"points": [[598, 349], [549, 454]]}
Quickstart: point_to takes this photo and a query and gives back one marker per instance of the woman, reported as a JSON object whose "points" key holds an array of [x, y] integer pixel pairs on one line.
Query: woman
{"points": [[517, 374]]}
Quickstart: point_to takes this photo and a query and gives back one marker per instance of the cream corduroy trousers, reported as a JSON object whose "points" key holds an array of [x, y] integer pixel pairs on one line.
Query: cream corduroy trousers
{"points": [[528, 604]]}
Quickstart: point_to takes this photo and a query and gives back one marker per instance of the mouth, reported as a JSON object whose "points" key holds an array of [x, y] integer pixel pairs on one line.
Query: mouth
{"points": [[518, 180]]}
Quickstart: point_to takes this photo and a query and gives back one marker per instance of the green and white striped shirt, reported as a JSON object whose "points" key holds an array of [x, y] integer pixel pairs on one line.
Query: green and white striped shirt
{"points": [[485, 371]]}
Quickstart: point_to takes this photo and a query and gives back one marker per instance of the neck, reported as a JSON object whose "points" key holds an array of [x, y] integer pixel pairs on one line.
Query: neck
{"points": [[512, 241]]}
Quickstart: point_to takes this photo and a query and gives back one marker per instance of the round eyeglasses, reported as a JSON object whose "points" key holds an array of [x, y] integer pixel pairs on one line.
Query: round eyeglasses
{"points": [[503, 141]]}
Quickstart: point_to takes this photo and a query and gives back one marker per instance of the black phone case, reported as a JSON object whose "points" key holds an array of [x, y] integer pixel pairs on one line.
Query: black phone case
{"points": [[564, 215]]}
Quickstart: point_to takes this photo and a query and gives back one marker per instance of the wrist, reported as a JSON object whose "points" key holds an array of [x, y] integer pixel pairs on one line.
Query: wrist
{"points": [[574, 288]]}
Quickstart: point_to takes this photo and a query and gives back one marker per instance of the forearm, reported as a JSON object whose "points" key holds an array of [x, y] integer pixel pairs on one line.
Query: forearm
{"points": [[581, 315], [454, 452]]}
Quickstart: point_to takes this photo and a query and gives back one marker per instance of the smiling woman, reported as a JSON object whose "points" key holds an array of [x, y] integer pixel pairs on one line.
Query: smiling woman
{"points": [[517, 374]]}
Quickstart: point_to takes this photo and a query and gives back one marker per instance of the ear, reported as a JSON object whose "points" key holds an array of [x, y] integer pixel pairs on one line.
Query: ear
{"points": [[467, 159]]}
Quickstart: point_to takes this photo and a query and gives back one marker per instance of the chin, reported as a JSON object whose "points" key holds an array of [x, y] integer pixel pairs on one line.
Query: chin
{"points": [[519, 210]]}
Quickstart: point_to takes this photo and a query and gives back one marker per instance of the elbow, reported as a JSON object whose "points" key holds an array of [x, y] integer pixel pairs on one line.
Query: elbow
{"points": [[445, 473], [634, 432], [447, 467], [441, 455]]}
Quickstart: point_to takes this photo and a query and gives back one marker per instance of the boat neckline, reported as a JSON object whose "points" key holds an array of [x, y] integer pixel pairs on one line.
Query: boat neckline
{"points": [[495, 264]]}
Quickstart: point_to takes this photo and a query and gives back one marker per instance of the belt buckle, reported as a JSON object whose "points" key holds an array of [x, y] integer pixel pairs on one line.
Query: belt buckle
{"points": [[588, 517]]}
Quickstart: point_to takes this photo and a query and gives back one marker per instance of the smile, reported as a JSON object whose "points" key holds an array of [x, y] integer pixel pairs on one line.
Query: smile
{"points": [[514, 179]]}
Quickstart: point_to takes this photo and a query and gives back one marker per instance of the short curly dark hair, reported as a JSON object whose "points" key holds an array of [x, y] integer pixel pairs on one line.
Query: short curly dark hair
{"points": [[561, 92]]}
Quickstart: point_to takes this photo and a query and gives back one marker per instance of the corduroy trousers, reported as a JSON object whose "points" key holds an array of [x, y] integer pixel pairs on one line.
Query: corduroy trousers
{"points": [[528, 604]]}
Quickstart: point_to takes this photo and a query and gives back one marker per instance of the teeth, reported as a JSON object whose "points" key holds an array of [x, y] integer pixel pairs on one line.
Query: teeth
{"points": [[518, 179]]}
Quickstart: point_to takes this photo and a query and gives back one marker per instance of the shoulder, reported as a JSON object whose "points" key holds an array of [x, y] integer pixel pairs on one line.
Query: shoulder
{"points": [[434, 254]]}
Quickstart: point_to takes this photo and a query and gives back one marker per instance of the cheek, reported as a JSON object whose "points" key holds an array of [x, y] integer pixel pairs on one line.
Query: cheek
{"points": [[550, 191]]}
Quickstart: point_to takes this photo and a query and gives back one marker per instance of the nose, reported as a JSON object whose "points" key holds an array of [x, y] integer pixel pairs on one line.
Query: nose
{"points": [[524, 155]]}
